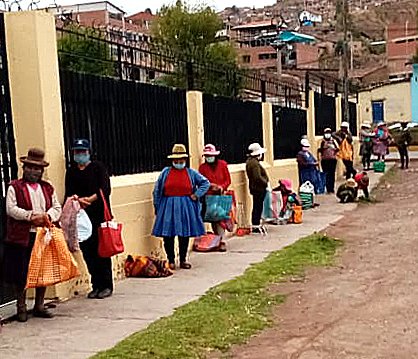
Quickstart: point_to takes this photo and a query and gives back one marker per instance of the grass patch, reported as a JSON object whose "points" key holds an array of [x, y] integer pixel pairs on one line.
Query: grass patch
{"points": [[229, 313]]}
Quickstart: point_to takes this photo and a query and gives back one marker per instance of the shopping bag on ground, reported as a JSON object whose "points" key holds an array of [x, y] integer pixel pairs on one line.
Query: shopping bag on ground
{"points": [[272, 205], [321, 182], [110, 234], [218, 208], [307, 187], [207, 243], [297, 215], [51, 261]]}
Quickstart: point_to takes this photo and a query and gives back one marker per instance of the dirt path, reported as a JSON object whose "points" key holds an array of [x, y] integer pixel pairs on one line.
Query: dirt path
{"points": [[367, 305]]}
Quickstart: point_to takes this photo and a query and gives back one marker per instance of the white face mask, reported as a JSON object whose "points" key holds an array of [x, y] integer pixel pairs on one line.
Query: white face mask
{"points": [[327, 136], [210, 159]]}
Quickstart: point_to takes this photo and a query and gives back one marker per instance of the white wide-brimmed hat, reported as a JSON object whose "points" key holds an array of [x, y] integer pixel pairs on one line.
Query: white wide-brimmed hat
{"points": [[255, 149], [305, 143], [210, 150], [366, 125], [380, 124], [345, 124]]}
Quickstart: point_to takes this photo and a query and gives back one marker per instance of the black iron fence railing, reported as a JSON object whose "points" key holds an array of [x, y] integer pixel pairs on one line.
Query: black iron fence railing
{"points": [[100, 53]]}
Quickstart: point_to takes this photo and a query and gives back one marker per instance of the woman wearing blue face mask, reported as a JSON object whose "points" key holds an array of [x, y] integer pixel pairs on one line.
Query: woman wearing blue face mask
{"points": [[83, 182], [177, 207]]}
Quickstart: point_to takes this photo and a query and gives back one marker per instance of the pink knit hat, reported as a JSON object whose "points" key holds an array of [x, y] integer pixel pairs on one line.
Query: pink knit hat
{"points": [[287, 183], [210, 150]]}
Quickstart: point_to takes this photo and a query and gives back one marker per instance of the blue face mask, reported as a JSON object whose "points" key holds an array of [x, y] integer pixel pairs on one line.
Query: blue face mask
{"points": [[82, 158], [210, 159], [179, 166]]}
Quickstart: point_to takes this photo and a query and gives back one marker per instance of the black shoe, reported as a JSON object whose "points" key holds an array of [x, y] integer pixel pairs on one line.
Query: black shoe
{"points": [[256, 230], [105, 293], [44, 313], [93, 294], [22, 315]]}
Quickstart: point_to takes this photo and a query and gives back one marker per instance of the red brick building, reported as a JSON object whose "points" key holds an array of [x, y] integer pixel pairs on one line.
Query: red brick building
{"points": [[402, 44]]}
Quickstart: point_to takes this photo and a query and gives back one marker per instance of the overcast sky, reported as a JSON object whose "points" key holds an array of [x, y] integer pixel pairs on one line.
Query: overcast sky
{"points": [[132, 6]]}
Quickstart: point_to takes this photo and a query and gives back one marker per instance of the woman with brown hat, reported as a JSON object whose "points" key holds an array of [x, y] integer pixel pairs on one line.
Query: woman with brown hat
{"points": [[30, 203], [177, 207]]}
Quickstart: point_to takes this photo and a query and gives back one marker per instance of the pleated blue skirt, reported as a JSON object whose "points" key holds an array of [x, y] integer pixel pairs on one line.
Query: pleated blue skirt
{"points": [[178, 216]]}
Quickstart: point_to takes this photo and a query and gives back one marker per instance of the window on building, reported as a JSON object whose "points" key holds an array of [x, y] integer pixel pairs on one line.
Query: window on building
{"points": [[246, 59], [267, 56], [378, 111]]}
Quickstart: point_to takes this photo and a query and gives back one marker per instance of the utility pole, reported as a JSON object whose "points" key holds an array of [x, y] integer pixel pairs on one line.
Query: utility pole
{"points": [[345, 61]]}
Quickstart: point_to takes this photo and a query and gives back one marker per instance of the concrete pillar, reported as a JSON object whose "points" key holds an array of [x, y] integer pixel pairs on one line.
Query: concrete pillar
{"points": [[35, 88], [268, 141], [196, 128], [338, 111]]}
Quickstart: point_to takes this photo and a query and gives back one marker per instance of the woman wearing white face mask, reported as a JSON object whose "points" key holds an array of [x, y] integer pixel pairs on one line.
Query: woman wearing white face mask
{"points": [[216, 171], [177, 207], [328, 153]]}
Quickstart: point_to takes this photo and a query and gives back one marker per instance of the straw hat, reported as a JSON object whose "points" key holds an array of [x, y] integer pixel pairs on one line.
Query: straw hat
{"points": [[255, 149], [178, 152], [35, 157], [210, 150], [351, 183]]}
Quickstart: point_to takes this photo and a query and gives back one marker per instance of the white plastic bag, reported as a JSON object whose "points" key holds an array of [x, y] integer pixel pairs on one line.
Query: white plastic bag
{"points": [[307, 187], [84, 226]]}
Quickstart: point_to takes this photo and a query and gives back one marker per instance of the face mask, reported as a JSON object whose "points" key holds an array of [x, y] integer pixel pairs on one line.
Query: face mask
{"points": [[210, 159], [179, 166], [82, 158], [327, 136], [32, 175]]}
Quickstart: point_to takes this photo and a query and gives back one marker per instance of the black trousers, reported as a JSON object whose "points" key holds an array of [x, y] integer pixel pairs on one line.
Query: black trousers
{"points": [[403, 153], [350, 172], [100, 269], [169, 248], [329, 167], [258, 201], [366, 159]]}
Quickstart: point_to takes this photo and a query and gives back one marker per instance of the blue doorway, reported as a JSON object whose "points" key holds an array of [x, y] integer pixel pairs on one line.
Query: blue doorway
{"points": [[378, 111]]}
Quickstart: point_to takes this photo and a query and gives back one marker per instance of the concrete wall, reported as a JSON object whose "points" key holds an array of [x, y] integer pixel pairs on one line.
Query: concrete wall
{"points": [[396, 98], [37, 115]]}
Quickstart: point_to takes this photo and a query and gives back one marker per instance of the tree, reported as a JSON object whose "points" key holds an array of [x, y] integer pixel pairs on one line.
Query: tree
{"points": [[83, 50], [188, 34]]}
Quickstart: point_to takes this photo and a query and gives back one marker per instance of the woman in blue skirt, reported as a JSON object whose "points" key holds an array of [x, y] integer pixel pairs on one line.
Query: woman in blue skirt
{"points": [[177, 207]]}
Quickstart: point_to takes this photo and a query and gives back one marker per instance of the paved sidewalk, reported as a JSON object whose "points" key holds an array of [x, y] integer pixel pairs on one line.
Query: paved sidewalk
{"points": [[83, 327]]}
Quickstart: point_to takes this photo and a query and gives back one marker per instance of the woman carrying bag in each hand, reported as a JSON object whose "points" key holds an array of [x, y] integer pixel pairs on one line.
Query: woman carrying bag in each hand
{"points": [[83, 182]]}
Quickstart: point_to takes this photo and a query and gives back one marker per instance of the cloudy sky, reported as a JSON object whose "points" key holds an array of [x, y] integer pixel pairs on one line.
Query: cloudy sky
{"points": [[132, 6]]}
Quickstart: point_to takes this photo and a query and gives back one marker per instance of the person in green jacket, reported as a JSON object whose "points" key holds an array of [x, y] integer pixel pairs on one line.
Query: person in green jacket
{"points": [[258, 182]]}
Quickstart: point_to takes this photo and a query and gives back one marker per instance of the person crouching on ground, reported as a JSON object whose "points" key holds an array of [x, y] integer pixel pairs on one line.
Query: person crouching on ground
{"points": [[216, 171], [30, 203], [258, 182], [289, 200], [347, 192], [177, 207], [363, 181]]}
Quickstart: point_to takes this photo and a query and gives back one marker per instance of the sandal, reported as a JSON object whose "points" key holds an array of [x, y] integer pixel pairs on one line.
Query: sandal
{"points": [[43, 313], [185, 265]]}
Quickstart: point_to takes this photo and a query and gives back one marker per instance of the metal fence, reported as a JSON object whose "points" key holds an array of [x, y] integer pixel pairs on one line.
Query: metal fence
{"points": [[232, 125], [325, 113], [132, 126], [100, 53], [8, 163], [289, 125]]}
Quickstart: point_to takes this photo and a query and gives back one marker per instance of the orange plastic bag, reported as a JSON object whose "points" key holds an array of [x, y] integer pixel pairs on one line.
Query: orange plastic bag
{"points": [[51, 262], [297, 215]]}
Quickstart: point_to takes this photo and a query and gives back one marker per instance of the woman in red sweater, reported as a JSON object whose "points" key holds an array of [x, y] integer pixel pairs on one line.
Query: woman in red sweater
{"points": [[216, 171]]}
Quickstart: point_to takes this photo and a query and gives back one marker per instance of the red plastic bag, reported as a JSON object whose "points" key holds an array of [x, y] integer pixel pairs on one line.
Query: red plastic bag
{"points": [[207, 243], [110, 234]]}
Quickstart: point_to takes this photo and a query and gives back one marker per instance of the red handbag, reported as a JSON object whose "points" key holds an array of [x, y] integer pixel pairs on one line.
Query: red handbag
{"points": [[110, 234]]}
